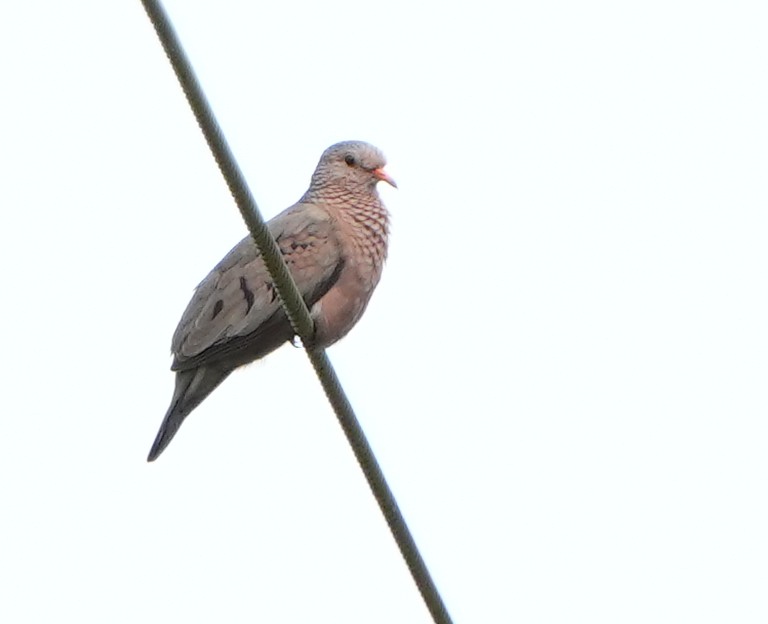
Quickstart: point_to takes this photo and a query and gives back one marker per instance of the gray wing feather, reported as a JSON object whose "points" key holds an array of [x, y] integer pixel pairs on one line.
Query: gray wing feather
{"points": [[235, 312]]}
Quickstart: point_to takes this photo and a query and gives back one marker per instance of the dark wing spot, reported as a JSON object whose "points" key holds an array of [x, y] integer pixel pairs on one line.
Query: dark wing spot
{"points": [[271, 288], [295, 245], [247, 293], [217, 307]]}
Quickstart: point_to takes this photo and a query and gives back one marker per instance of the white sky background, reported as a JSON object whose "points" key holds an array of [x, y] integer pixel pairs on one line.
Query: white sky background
{"points": [[563, 372]]}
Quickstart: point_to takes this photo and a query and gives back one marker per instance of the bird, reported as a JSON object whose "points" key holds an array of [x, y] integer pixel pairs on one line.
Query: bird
{"points": [[334, 241]]}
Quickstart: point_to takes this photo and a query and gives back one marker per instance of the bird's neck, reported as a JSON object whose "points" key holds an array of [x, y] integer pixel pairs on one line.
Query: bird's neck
{"points": [[362, 216], [368, 225]]}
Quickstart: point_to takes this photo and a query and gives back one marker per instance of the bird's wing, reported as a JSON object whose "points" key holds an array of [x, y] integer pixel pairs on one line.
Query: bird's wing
{"points": [[235, 313]]}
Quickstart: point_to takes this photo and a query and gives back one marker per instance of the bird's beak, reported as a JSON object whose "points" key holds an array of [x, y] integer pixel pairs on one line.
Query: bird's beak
{"points": [[383, 176]]}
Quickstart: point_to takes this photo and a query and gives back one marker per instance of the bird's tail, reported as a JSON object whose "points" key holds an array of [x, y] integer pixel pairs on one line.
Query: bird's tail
{"points": [[192, 386]]}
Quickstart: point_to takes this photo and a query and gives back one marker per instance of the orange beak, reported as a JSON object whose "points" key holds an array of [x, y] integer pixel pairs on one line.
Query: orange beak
{"points": [[382, 175]]}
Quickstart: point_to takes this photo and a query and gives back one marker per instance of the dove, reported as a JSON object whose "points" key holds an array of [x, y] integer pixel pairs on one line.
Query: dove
{"points": [[334, 241]]}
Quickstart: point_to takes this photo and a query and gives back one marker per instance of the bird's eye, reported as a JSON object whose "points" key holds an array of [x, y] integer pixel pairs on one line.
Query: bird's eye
{"points": [[350, 160]]}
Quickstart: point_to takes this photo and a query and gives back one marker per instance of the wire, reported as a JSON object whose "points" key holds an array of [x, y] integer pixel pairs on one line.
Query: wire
{"points": [[296, 309]]}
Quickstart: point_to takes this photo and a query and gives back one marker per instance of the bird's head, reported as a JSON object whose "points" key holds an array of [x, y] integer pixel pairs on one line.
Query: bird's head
{"points": [[352, 165]]}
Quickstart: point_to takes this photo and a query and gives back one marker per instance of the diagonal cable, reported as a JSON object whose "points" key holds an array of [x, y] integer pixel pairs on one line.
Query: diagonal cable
{"points": [[296, 309]]}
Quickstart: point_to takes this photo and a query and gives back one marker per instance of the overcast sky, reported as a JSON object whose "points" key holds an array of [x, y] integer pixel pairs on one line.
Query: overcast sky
{"points": [[563, 371]]}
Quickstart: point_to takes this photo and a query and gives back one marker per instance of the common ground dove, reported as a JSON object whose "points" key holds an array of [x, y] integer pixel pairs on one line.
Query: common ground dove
{"points": [[335, 243]]}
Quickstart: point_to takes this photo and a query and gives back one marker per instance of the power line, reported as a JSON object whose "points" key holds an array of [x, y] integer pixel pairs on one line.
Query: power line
{"points": [[295, 308]]}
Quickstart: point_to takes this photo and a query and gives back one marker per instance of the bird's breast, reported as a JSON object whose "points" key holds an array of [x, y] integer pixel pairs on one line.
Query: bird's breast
{"points": [[337, 312], [362, 231]]}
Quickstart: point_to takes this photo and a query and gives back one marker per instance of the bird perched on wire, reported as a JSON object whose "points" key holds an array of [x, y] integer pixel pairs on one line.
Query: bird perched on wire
{"points": [[334, 240]]}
